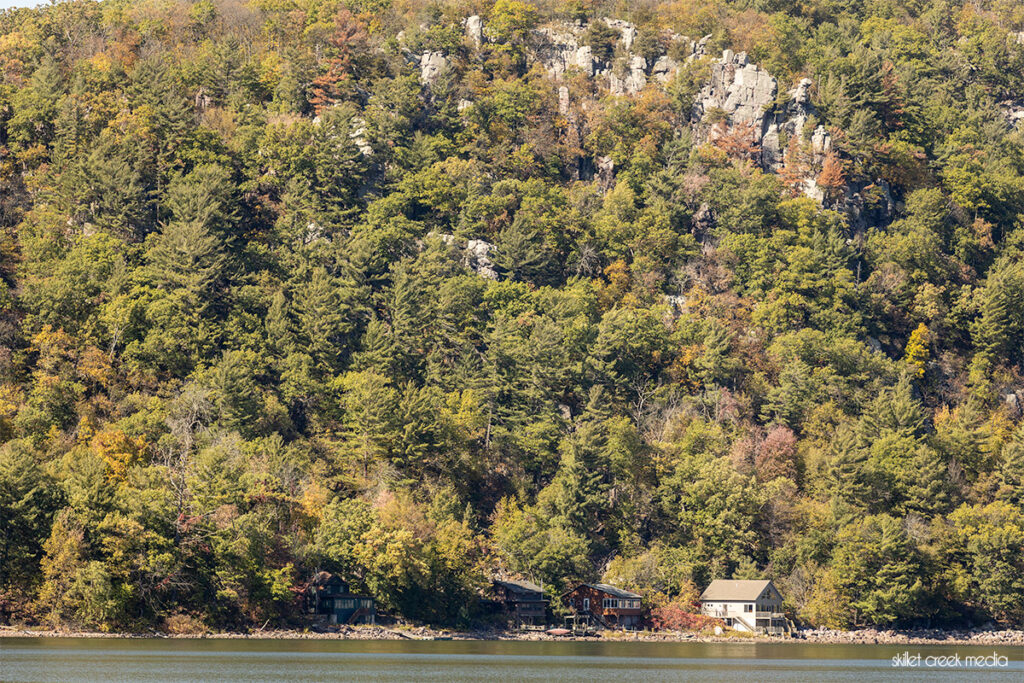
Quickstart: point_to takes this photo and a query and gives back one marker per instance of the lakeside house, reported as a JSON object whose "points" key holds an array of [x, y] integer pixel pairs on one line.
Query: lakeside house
{"points": [[604, 605], [522, 601], [753, 606], [328, 596]]}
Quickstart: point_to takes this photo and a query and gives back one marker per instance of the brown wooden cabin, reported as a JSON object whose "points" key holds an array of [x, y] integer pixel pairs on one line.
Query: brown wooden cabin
{"points": [[329, 596], [522, 601], [605, 605]]}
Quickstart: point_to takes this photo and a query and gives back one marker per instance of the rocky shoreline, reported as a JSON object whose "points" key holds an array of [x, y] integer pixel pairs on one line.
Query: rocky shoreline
{"points": [[822, 636]]}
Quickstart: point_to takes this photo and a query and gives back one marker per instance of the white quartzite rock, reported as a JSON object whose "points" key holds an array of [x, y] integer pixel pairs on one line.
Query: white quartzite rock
{"points": [[664, 69], [475, 255], [634, 79], [475, 29], [477, 258], [431, 66], [627, 31]]}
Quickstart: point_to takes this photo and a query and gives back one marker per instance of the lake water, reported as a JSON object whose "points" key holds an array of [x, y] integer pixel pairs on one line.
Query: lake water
{"points": [[142, 660]]}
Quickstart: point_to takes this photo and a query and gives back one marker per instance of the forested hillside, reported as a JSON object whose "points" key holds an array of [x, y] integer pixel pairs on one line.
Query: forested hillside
{"points": [[559, 292]]}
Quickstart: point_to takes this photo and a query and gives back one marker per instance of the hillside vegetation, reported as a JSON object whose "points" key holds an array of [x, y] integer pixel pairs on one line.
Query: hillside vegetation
{"points": [[300, 285]]}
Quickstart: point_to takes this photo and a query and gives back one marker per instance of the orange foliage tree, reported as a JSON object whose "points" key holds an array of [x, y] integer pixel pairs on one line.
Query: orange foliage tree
{"points": [[832, 176], [348, 39]]}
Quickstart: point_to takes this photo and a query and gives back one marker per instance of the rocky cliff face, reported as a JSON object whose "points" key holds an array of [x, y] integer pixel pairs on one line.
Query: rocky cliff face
{"points": [[739, 95], [560, 49]]}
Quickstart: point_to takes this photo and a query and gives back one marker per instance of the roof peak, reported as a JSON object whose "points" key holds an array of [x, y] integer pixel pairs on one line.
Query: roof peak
{"points": [[735, 589]]}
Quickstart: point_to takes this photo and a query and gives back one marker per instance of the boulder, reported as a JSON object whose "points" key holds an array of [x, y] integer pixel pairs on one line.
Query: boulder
{"points": [[476, 254], [478, 259], [432, 64], [1013, 405], [700, 47], [802, 93], [821, 141]]}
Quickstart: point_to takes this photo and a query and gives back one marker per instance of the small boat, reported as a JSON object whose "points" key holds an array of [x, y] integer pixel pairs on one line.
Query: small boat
{"points": [[558, 631]]}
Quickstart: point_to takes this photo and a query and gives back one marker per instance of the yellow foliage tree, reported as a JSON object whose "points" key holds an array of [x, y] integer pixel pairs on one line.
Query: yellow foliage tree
{"points": [[916, 354], [118, 450]]}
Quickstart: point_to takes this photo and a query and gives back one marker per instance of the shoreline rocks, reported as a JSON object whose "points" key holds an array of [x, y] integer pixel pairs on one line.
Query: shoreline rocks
{"points": [[1013, 638]]}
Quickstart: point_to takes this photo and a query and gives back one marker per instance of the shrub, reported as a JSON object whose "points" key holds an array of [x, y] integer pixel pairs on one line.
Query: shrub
{"points": [[675, 617]]}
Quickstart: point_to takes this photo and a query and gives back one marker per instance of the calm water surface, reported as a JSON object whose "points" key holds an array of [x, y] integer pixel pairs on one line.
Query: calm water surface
{"points": [[142, 660]]}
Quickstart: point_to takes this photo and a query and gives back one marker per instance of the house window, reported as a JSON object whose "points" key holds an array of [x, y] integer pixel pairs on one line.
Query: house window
{"points": [[586, 603], [748, 608]]}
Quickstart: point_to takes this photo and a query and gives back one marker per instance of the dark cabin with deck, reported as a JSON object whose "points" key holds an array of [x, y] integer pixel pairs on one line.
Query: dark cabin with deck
{"points": [[605, 605], [328, 596], [522, 601]]}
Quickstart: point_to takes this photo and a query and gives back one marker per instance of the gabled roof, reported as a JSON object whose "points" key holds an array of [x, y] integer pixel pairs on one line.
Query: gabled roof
{"points": [[610, 590], [519, 586], [323, 579], [726, 590]]}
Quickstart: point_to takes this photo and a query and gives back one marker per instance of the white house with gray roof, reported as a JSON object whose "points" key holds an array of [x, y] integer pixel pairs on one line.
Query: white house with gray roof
{"points": [[754, 606]]}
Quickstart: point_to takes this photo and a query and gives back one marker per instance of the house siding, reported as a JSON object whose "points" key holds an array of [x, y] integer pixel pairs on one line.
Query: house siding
{"points": [[748, 615], [624, 612]]}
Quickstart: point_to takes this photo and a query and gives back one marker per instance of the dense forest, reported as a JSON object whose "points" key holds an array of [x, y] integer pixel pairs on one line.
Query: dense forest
{"points": [[365, 287]]}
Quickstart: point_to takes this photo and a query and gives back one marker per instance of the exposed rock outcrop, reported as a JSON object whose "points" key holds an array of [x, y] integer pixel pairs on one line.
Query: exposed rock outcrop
{"points": [[474, 27], [432, 65], [475, 255], [1014, 112], [627, 31], [663, 69], [1012, 402], [563, 100], [739, 97], [634, 80], [478, 259], [742, 94], [605, 173], [560, 49], [743, 91]]}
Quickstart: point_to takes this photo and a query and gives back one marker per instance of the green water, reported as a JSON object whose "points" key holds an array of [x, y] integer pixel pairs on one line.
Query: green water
{"points": [[142, 660]]}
